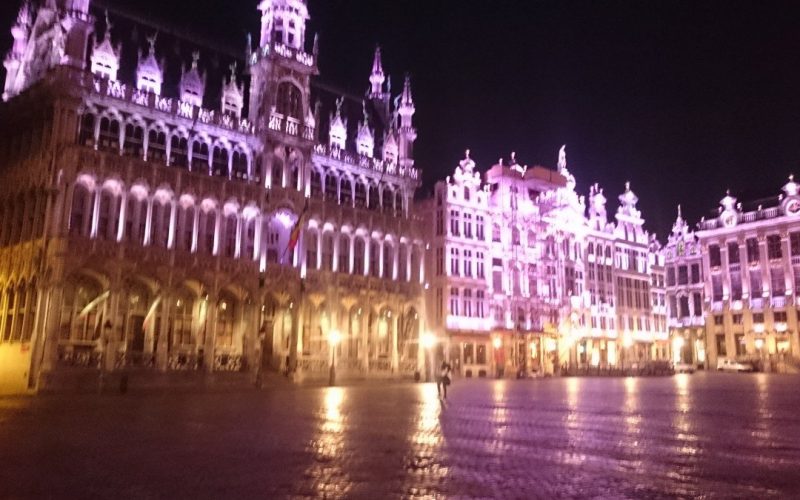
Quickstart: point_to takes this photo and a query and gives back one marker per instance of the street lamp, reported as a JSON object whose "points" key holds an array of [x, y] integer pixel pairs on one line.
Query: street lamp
{"points": [[428, 340], [334, 337]]}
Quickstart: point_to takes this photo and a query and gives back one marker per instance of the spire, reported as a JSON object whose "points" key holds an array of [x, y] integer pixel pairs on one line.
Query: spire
{"points": [[232, 97], [377, 78], [562, 158], [149, 75], [365, 141], [406, 109], [192, 84], [104, 61], [337, 135], [679, 226]]}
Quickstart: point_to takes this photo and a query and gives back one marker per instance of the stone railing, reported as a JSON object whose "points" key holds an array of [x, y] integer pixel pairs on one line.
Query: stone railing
{"points": [[79, 356], [380, 365], [308, 364], [285, 52], [383, 167], [349, 364], [290, 126], [127, 359], [183, 361], [224, 362], [408, 366]]}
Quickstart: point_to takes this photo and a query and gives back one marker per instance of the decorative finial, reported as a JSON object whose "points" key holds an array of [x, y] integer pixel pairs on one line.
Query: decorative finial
{"points": [[339, 103], [791, 177], [195, 58], [562, 158], [466, 154], [151, 40], [728, 192], [679, 211], [627, 186], [108, 25], [233, 67]]}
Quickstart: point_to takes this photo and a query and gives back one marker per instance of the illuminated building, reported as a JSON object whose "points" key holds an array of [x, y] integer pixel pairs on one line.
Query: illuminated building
{"points": [[147, 206], [751, 270], [525, 280]]}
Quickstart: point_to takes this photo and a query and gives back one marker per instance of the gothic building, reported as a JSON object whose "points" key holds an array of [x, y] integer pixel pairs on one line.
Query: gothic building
{"points": [[157, 216]]}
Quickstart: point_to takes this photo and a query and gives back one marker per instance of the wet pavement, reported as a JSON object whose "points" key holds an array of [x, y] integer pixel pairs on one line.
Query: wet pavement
{"points": [[711, 435]]}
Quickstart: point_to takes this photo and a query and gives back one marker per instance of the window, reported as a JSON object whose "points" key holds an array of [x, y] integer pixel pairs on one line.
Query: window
{"points": [[479, 227], [774, 246], [733, 253], [714, 256], [794, 243], [716, 287], [468, 303], [683, 275], [673, 307], [671, 276], [479, 298], [755, 282], [684, 312], [358, 256], [752, 250], [479, 265], [758, 317], [777, 281], [718, 319], [439, 223], [344, 255], [695, 273], [698, 304], [779, 316], [454, 223], [468, 263], [374, 259], [736, 286], [440, 261], [722, 349], [454, 256], [480, 355], [737, 319], [327, 251], [468, 225], [454, 301], [496, 232], [311, 250]]}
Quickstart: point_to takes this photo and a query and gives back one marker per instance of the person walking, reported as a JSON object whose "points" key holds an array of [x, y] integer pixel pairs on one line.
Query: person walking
{"points": [[443, 380]]}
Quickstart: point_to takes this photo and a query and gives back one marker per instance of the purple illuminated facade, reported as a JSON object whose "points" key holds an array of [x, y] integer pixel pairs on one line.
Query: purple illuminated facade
{"points": [[147, 206], [525, 279]]}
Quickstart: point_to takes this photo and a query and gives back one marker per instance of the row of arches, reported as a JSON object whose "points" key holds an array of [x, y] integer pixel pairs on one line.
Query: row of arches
{"points": [[356, 252], [355, 191], [130, 135], [109, 210]]}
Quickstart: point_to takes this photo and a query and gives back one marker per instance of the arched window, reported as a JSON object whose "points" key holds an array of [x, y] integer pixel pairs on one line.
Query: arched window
{"points": [[316, 183], [387, 200], [374, 198], [185, 232], [179, 150], [86, 134], [290, 101], [331, 193], [311, 250], [402, 263], [358, 256], [344, 254], [11, 305], [80, 213], [374, 258], [157, 146], [361, 195], [181, 316], [108, 219], [388, 261], [135, 219], [271, 238], [231, 222], [80, 312], [208, 227], [416, 263], [199, 157], [327, 251], [398, 201], [134, 140], [347, 192], [277, 172], [159, 227], [219, 162], [239, 165], [249, 238], [109, 134]]}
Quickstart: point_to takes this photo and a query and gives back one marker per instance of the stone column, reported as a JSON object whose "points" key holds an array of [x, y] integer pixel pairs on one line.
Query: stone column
{"points": [[211, 332], [295, 337], [116, 338], [162, 354]]}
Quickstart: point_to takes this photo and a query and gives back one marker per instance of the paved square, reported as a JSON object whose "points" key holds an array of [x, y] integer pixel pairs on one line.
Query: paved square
{"points": [[712, 435]]}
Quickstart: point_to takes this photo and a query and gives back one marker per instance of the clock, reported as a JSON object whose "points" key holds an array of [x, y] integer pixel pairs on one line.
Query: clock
{"points": [[728, 218], [791, 206]]}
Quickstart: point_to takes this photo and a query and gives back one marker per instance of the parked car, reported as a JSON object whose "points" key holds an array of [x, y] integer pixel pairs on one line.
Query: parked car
{"points": [[731, 365], [684, 368]]}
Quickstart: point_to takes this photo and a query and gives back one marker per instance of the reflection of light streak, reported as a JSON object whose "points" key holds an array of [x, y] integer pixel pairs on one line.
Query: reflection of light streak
{"points": [[574, 423], [683, 428], [765, 416], [500, 412], [328, 445], [428, 431]]}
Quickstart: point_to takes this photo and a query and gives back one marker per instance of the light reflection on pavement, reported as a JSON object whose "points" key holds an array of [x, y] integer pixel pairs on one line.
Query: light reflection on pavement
{"points": [[712, 435]]}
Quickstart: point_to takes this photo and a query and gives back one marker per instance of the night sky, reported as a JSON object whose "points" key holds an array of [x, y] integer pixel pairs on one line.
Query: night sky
{"points": [[684, 99]]}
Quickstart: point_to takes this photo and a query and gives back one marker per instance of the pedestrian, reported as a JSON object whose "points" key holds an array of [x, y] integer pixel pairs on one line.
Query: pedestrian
{"points": [[443, 380]]}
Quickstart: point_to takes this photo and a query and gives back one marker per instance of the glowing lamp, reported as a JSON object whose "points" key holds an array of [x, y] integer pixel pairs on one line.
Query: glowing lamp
{"points": [[759, 344], [497, 343], [627, 340], [428, 340], [334, 337]]}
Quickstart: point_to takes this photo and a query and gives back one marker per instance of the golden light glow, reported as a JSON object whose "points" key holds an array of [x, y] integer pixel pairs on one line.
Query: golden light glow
{"points": [[334, 337]]}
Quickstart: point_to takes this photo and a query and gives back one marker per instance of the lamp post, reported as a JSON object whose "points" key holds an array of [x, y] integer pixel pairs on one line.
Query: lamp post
{"points": [[334, 337], [428, 340], [105, 341]]}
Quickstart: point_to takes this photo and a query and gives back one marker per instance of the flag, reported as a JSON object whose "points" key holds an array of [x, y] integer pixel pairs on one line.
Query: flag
{"points": [[294, 236]]}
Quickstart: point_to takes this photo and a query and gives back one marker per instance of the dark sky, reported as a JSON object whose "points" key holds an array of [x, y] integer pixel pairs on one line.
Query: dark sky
{"points": [[682, 98]]}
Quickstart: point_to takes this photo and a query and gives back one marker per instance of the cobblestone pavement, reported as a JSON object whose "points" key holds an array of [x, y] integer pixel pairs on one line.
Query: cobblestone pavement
{"points": [[710, 435]]}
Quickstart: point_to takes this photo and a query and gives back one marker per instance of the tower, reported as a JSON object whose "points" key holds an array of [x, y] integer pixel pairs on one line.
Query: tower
{"points": [[193, 84], [149, 74], [280, 90], [104, 61], [407, 133]]}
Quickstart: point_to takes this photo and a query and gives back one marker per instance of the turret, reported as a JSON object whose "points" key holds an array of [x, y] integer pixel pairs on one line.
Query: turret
{"points": [[105, 57], [337, 135], [407, 133], [192, 86], [365, 140], [377, 77], [232, 96], [149, 74], [284, 22]]}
